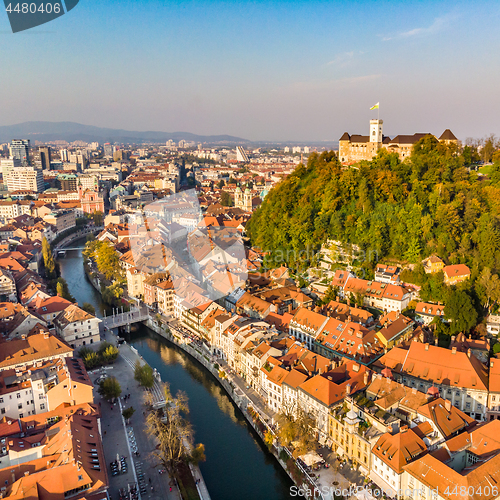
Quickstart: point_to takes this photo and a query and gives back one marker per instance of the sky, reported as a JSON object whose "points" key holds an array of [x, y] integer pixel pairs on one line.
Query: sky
{"points": [[261, 70]]}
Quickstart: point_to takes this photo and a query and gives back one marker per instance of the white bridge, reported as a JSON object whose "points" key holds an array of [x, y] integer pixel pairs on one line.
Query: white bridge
{"points": [[118, 319]]}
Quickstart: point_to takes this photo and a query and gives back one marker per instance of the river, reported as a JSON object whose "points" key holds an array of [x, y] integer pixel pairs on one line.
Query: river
{"points": [[238, 465]]}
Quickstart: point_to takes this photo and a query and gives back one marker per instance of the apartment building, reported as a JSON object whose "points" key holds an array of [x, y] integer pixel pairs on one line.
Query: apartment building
{"points": [[43, 386], [19, 353], [458, 377], [25, 179], [77, 327]]}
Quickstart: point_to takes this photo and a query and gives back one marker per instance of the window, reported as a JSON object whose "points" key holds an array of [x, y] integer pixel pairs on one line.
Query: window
{"points": [[18, 395], [42, 407], [19, 406], [1, 399]]}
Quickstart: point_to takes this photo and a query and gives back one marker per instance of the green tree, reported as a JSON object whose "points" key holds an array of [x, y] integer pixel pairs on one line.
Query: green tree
{"points": [[109, 388], [221, 184], [127, 413], [91, 360], [88, 308], [48, 260], [144, 375], [110, 354], [460, 310], [98, 218], [108, 261], [488, 149], [496, 348], [63, 290], [225, 199]]}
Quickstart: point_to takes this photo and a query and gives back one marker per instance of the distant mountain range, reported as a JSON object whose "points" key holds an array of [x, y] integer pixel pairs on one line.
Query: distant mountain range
{"points": [[71, 131]]}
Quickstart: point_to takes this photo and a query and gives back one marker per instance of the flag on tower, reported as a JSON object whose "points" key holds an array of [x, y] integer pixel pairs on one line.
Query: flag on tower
{"points": [[375, 106]]}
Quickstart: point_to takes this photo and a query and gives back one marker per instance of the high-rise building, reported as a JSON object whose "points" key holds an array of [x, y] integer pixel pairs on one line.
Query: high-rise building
{"points": [[8, 164], [67, 182], [64, 155], [108, 149], [25, 179], [20, 149], [45, 157], [241, 156]]}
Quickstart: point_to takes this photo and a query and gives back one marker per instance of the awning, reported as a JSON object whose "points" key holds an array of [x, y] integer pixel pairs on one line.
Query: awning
{"points": [[311, 458]]}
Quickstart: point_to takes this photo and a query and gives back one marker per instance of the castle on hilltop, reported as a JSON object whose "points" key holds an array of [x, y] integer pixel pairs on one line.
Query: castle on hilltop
{"points": [[354, 148]]}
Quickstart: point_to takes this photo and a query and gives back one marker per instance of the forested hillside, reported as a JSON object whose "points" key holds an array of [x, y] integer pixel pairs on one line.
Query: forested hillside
{"points": [[428, 204]]}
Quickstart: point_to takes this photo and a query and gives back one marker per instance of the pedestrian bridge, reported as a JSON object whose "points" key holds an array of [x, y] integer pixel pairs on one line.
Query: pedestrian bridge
{"points": [[117, 319]]}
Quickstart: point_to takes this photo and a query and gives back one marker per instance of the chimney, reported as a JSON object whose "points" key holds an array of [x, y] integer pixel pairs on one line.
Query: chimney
{"points": [[389, 429], [355, 367], [349, 318], [454, 350], [348, 389], [447, 404], [453, 338], [491, 363], [470, 337], [436, 341], [365, 378], [469, 352], [403, 428], [414, 390], [426, 347]]}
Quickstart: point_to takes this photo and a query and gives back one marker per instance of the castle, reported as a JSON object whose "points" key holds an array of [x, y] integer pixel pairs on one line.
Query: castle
{"points": [[354, 148]]}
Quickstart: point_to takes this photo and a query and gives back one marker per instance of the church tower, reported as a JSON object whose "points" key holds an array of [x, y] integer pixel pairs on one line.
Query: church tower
{"points": [[247, 201], [238, 198]]}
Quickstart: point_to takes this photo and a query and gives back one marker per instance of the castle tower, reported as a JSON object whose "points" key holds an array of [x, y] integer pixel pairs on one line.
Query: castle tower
{"points": [[376, 131]]}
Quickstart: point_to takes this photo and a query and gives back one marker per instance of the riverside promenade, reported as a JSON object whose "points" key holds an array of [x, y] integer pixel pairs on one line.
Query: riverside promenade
{"points": [[332, 482], [143, 469]]}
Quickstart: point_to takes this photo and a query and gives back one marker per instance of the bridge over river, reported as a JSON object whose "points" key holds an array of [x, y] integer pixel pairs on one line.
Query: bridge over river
{"points": [[118, 319]]}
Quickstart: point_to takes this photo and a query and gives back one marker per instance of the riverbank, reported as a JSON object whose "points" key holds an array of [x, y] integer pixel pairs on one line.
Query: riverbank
{"points": [[254, 415]]}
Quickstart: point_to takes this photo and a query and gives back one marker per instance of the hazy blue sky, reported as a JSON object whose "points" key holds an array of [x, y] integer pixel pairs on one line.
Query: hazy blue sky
{"points": [[259, 70]]}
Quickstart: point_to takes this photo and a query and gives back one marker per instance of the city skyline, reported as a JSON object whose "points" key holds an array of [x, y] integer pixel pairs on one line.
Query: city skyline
{"points": [[273, 71]]}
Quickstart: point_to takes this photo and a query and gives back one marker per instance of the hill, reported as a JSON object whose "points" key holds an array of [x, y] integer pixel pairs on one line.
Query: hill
{"points": [[71, 131], [428, 204]]}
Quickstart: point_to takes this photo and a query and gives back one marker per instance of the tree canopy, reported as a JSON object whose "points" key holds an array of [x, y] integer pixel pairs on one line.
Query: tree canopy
{"points": [[109, 388], [427, 204], [144, 375]]}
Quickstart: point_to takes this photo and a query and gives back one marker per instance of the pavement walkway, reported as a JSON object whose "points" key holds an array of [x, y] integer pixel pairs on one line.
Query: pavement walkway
{"points": [[117, 437]]}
